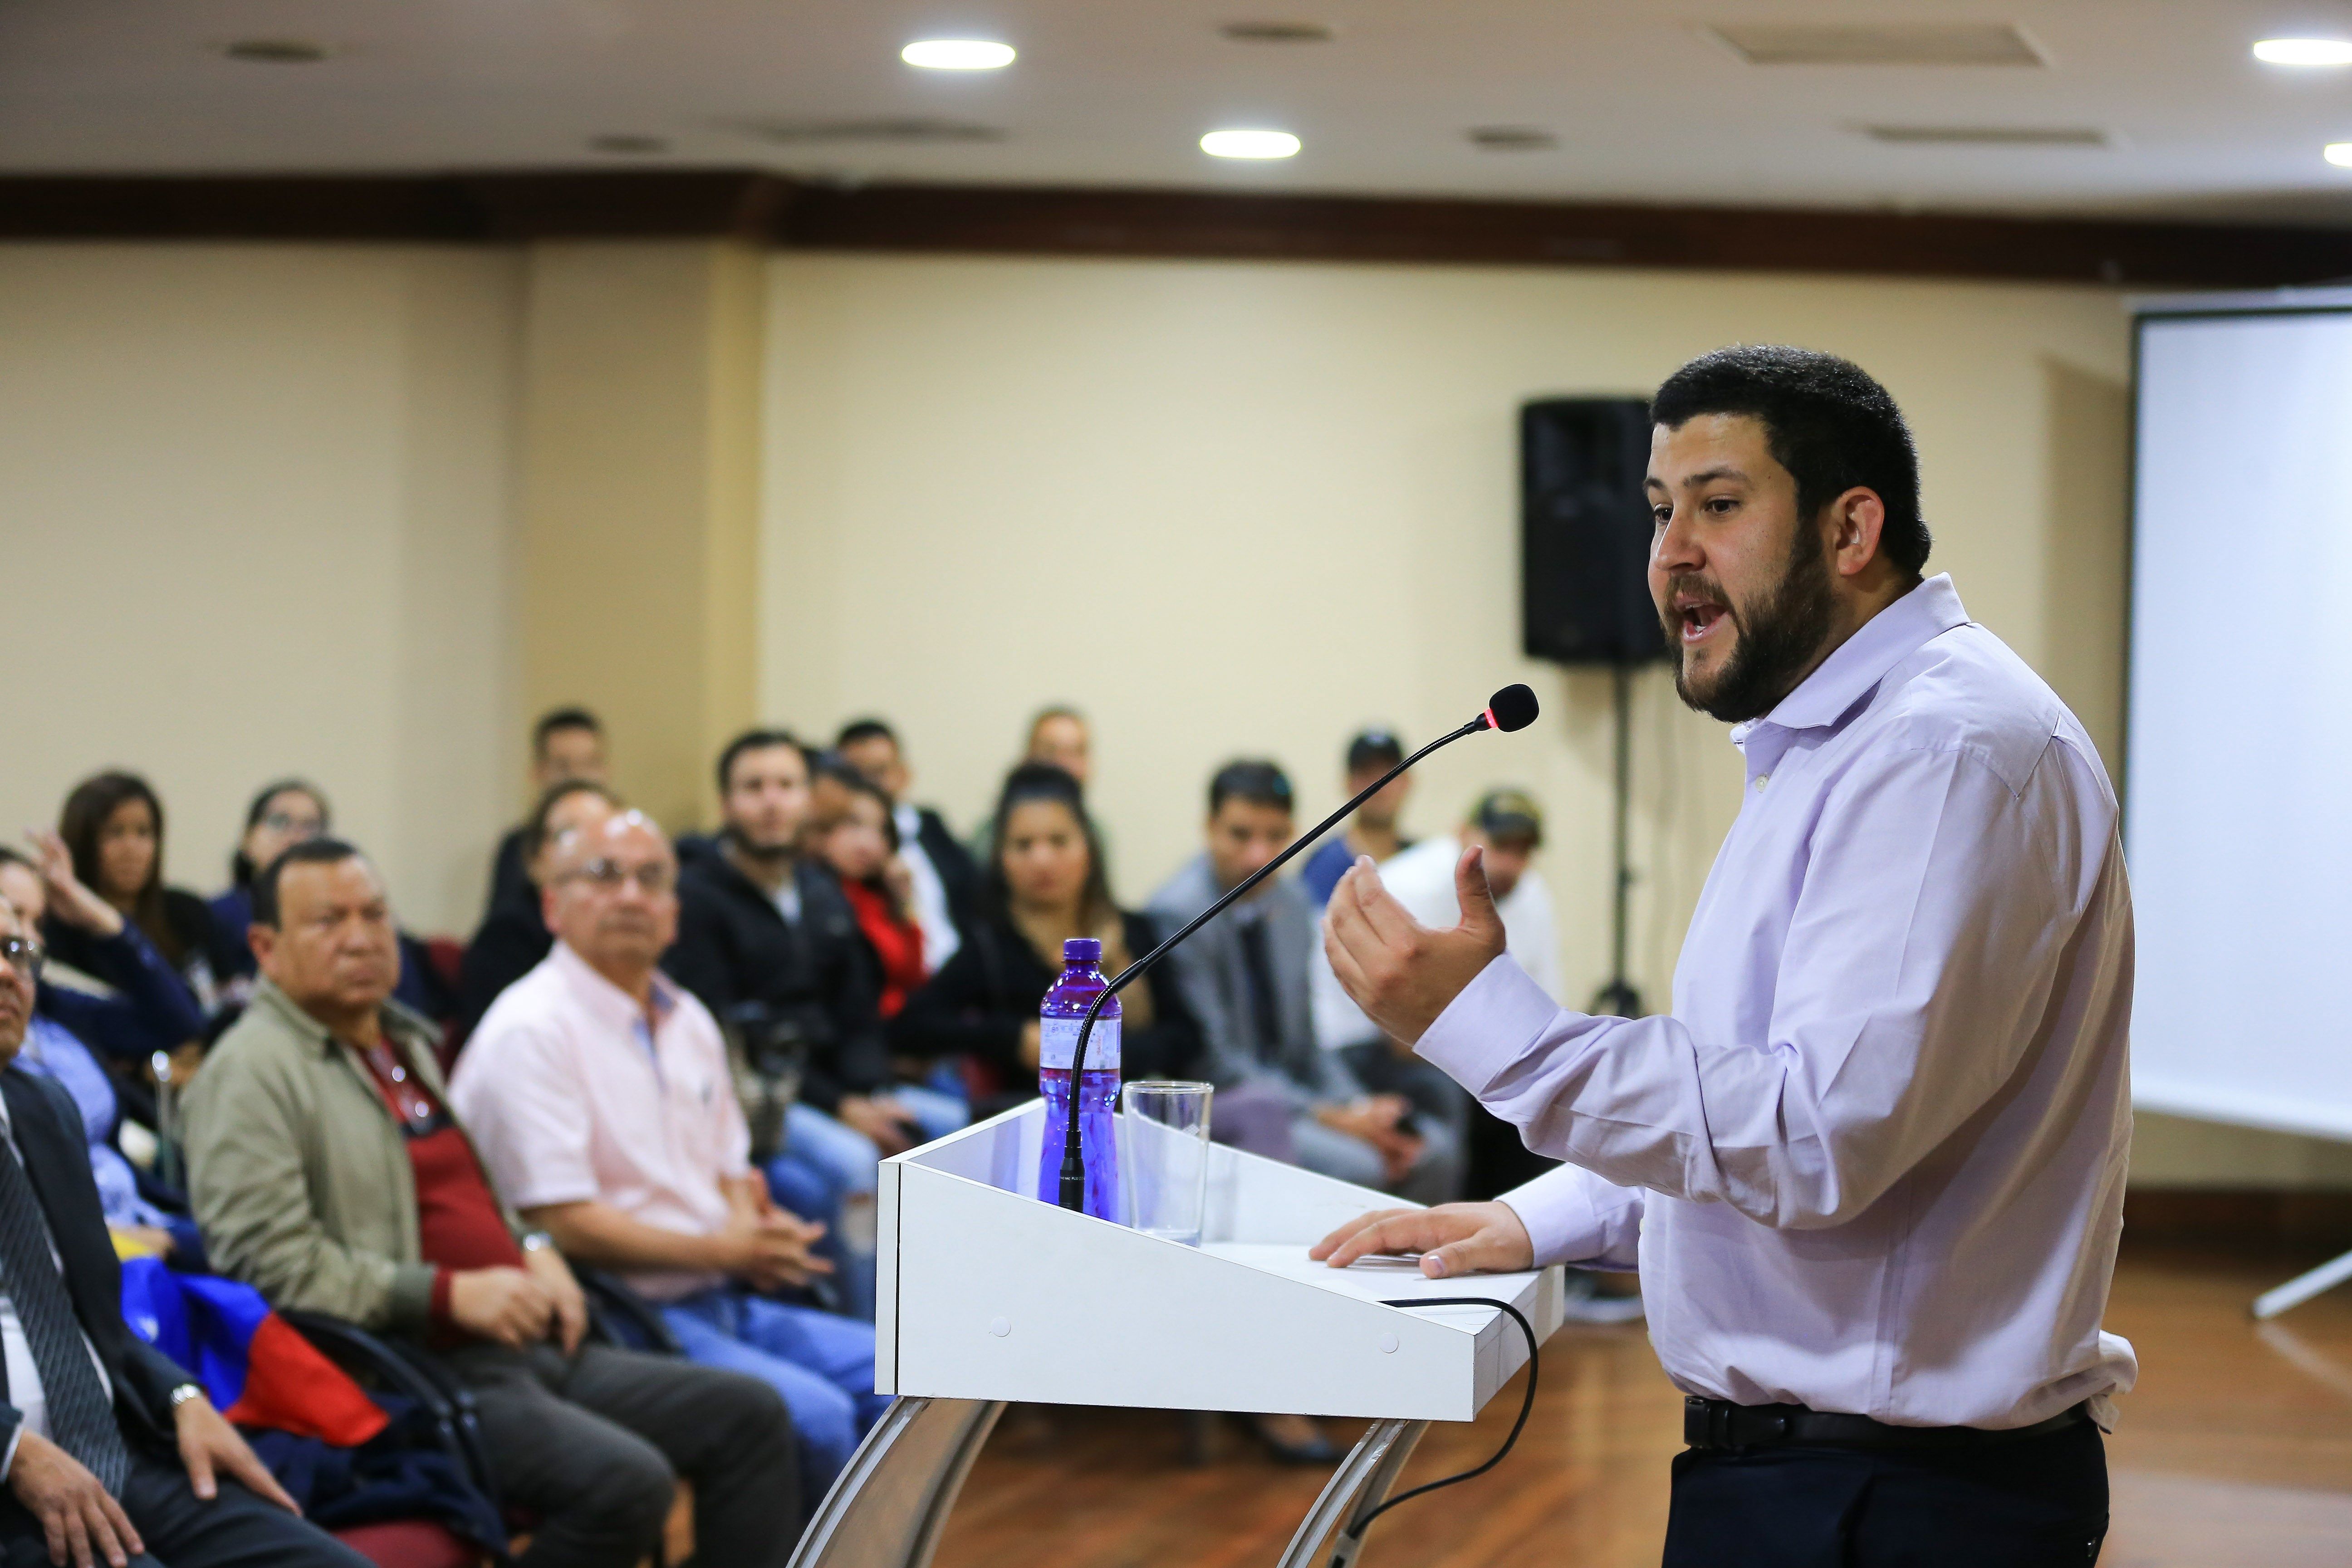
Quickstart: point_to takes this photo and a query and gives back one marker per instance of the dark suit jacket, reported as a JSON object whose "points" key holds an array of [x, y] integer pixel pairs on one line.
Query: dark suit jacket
{"points": [[48, 1131], [959, 873]]}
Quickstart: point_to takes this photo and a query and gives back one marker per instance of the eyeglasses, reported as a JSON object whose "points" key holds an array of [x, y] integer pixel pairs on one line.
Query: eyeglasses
{"points": [[25, 955], [286, 821], [607, 876]]}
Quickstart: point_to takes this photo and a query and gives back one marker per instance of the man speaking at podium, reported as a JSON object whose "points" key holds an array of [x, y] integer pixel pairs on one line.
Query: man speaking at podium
{"points": [[1871, 1164]]}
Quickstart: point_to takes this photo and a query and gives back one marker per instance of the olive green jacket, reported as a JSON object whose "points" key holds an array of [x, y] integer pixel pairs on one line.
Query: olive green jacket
{"points": [[300, 1173]]}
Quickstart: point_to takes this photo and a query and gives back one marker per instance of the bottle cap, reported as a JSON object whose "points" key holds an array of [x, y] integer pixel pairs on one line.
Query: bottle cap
{"points": [[1082, 950]]}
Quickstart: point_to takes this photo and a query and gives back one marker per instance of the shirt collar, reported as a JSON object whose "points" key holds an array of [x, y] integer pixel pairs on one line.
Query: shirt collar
{"points": [[1858, 664], [606, 1000], [399, 1025]]}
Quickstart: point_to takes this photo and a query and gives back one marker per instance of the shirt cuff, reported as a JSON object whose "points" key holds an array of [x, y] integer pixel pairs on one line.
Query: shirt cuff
{"points": [[8, 1460], [1489, 1026], [1557, 1208]]}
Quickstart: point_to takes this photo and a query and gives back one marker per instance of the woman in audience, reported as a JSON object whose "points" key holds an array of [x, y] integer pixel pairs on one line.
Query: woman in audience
{"points": [[513, 937], [284, 813], [1043, 883], [855, 836], [149, 1008], [113, 825]]}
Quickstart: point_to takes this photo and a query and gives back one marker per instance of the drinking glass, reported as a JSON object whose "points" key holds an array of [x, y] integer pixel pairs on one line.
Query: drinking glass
{"points": [[1164, 1156]]}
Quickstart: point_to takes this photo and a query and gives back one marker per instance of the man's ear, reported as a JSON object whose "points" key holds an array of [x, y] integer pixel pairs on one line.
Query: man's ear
{"points": [[262, 940], [1855, 520]]}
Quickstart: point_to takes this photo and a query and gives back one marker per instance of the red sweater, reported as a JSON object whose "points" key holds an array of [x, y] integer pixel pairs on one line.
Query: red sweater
{"points": [[896, 941], [458, 1223]]}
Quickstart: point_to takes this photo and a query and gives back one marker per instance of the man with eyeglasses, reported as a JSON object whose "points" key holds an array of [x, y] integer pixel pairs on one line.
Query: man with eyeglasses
{"points": [[598, 1093], [109, 1449], [329, 1171]]}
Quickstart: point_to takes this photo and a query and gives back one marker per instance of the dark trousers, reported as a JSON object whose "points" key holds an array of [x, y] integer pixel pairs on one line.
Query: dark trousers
{"points": [[180, 1530], [592, 1446], [2035, 1503]]}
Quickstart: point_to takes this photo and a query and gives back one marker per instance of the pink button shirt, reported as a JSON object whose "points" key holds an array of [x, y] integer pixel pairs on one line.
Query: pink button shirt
{"points": [[571, 1096]]}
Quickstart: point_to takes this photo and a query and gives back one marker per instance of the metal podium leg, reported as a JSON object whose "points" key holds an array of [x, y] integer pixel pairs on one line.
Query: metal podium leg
{"points": [[2303, 1287], [1363, 1478], [891, 1501]]}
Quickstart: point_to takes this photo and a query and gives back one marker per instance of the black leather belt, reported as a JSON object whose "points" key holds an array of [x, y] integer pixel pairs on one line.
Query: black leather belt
{"points": [[1720, 1424]]}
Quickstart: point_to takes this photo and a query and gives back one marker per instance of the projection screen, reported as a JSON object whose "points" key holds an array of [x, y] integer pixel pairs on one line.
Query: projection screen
{"points": [[2238, 778]]}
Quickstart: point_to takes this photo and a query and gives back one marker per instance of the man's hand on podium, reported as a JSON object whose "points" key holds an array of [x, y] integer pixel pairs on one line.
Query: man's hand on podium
{"points": [[1401, 972], [1453, 1239]]}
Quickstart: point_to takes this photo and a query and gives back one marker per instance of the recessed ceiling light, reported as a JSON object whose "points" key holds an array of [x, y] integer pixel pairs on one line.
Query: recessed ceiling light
{"points": [[2340, 154], [1277, 32], [957, 55], [276, 51], [1249, 145], [2304, 52], [628, 141]]}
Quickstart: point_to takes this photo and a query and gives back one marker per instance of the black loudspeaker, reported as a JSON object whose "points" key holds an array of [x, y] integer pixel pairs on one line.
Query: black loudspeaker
{"points": [[1584, 531]]}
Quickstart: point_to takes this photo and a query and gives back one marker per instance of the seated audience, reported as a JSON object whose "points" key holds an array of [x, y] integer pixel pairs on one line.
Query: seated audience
{"points": [[1043, 884], [283, 814], [513, 937], [111, 1448], [1245, 977], [113, 825], [567, 745], [943, 881], [856, 836], [329, 1174], [768, 942], [599, 1094], [148, 1003], [1373, 830]]}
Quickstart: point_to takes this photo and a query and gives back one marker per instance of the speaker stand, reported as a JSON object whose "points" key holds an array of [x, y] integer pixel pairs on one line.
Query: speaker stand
{"points": [[1618, 999]]}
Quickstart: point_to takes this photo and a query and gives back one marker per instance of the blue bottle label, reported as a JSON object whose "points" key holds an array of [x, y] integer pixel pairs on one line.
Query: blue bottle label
{"points": [[1058, 1043]]}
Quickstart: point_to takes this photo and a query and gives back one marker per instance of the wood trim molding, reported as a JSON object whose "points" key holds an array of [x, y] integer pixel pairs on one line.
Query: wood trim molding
{"points": [[2251, 1219], [1056, 221]]}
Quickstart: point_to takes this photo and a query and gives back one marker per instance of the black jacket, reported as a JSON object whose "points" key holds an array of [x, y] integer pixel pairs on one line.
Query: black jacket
{"points": [[959, 872], [48, 1133], [508, 944], [817, 979], [977, 1004]]}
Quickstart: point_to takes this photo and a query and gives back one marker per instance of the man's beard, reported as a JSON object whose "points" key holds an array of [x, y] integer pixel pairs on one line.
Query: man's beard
{"points": [[1778, 638], [768, 854]]}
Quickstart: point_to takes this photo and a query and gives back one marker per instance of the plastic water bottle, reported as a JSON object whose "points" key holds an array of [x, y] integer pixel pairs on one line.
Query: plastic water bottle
{"points": [[1065, 1007]]}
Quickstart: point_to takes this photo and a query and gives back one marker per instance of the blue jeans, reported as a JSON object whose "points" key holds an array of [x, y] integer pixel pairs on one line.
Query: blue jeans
{"points": [[822, 1364], [828, 1171]]}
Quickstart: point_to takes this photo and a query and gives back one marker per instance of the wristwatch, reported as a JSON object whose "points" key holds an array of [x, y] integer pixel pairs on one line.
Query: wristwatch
{"points": [[186, 1392], [537, 1241]]}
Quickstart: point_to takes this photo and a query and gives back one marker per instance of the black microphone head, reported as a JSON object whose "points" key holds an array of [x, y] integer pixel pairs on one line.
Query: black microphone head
{"points": [[1512, 708]]}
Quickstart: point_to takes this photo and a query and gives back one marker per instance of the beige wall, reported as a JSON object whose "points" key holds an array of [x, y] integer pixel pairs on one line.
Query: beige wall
{"points": [[273, 509], [1232, 508], [257, 506]]}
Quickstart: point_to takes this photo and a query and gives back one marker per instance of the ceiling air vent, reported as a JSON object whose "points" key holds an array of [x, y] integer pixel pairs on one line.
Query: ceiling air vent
{"points": [[1277, 32], [1513, 139], [1989, 135], [1878, 44], [900, 132]]}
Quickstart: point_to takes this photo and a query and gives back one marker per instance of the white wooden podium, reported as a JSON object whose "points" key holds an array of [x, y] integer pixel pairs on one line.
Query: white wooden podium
{"points": [[987, 1295]]}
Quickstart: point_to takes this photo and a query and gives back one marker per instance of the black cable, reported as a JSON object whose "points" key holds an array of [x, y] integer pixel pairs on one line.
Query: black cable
{"points": [[1527, 1405]]}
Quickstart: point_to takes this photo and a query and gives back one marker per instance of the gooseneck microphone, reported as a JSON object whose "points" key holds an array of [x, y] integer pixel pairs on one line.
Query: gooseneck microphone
{"points": [[1511, 709]]}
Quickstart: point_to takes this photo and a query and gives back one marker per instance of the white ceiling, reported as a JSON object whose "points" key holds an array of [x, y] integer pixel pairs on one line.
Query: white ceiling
{"points": [[1645, 104]]}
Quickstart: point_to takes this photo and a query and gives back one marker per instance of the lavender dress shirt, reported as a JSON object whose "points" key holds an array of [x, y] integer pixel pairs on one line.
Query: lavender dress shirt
{"points": [[1872, 1161]]}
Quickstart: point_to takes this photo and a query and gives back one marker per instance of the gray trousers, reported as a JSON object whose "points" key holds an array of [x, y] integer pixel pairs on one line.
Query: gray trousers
{"points": [[593, 1445]]}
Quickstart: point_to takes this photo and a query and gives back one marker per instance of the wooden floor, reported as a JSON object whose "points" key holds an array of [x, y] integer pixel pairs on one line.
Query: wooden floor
{"points": [[2235, 1449]]}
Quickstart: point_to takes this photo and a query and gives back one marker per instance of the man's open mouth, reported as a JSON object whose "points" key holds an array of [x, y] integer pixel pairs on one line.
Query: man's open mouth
{"points": [[1696, 616]]}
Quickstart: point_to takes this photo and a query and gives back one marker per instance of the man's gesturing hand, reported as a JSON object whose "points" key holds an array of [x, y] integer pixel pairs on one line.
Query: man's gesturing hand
{"points": [[1401, 972], [208, 1443], [1453, 1238], [76, 1513]]}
